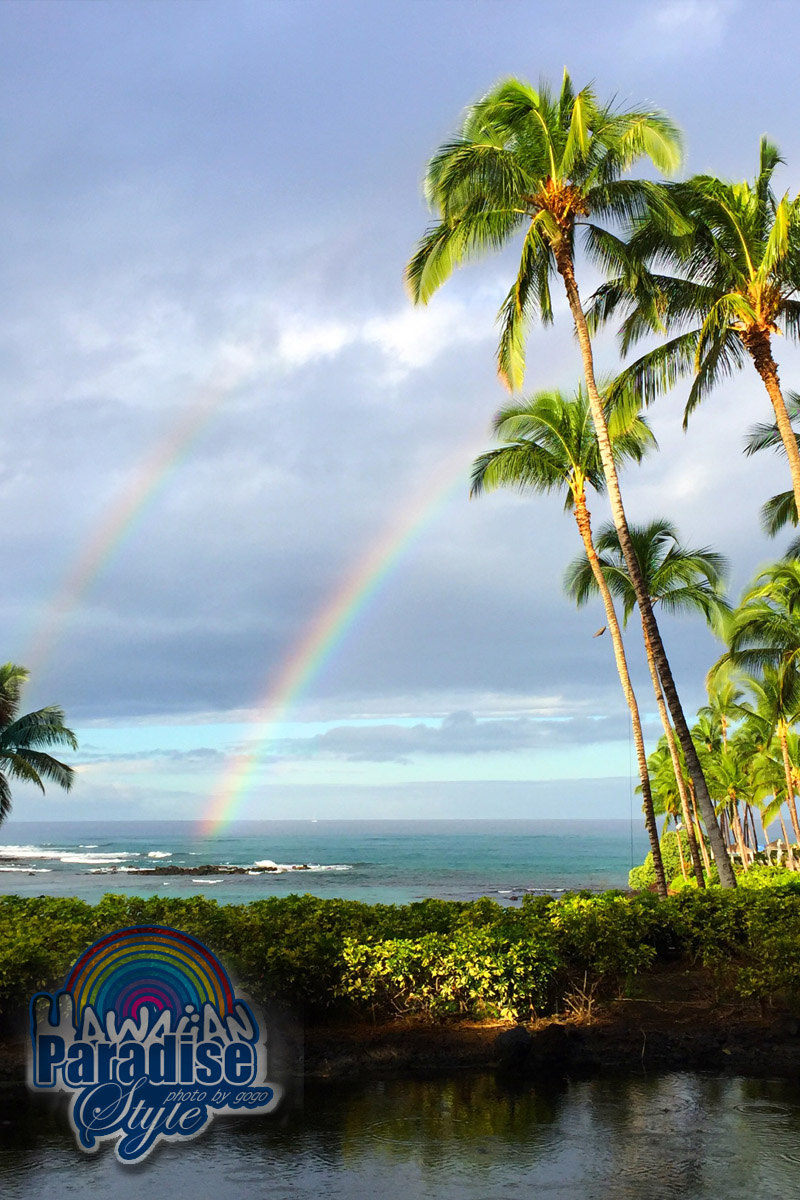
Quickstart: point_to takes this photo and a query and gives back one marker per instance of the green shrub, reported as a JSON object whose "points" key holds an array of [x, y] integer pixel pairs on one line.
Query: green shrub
{"points": [[435, 957], [472, 972], [643, 877]]}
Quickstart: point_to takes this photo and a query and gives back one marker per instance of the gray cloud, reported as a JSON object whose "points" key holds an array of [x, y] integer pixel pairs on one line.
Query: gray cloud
{"points": [[460, 733]]}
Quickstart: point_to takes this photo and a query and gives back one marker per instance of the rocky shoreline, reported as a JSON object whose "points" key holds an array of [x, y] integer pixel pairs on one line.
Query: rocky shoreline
{"points": [[171, 869], [206, 869]]}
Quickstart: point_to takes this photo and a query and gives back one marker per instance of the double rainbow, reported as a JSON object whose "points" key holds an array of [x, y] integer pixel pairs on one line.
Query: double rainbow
{"points": [[327, 629]]}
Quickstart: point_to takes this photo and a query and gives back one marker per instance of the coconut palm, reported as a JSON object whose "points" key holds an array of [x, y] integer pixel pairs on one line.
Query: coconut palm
{"points": [[731, 779], [774, 710], [679, 579], [764, 640], [550, 446], [729, 274], [780, 510], [724, 706], [667, 799], [532, 163], [23, 739]]}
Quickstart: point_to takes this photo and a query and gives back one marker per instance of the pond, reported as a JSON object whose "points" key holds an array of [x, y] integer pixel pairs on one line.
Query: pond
{"points": [[465, 1136]]}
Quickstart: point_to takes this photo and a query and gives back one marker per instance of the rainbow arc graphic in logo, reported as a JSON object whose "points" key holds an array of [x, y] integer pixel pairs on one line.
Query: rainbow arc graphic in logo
{"points": [[152, 966]]}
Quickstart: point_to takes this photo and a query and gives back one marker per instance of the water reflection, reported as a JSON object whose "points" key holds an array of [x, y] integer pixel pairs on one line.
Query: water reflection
{"points": [[468, 1136]]}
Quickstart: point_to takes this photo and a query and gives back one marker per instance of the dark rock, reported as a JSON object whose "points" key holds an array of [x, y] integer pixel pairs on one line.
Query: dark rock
{"points": [[513, 1046]]}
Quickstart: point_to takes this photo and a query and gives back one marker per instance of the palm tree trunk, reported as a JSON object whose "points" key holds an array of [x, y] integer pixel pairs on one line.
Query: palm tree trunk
{"points": [[701, 837], [697, 866], [736, 820], [787, 843], [681, 855], [787, 770], [585, 529], [758, 344], [698, 827], [563, 256], [748, 816]]}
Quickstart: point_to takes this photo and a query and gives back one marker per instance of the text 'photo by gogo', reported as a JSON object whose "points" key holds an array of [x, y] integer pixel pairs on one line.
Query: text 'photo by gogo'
{"points": [[151, 1041]]}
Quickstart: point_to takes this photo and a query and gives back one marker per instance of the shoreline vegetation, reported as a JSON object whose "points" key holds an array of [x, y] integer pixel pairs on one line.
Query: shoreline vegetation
{"points": [[705, 979]]}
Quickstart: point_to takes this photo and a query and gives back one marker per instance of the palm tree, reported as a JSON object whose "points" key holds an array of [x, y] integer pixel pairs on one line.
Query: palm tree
{"points": [[775, 711], [529, 161], [666, 797], [680, 580], [780, 510], [715, 719], [551, 446], [764, 640], [22, 739], [730, 274], [731, 778]]}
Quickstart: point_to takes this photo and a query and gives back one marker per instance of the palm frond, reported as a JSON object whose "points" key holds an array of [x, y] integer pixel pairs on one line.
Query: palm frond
{"points": [[720, 361], [451, 243], [529, 294], [45, 727], [42, 767], [778, 512], [657, 371]]}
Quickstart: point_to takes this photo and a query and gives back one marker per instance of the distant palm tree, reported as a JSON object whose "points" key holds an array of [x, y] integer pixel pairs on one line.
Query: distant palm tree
{"points": [[731, 777], [23, 738], [666, 797], [763, 638], [775, 710], [678, 579], [551, 446], [538, 164], [730, 271]]}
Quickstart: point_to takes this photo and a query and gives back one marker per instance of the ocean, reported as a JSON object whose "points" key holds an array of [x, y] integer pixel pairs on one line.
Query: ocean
{"points": [[387, 862]]}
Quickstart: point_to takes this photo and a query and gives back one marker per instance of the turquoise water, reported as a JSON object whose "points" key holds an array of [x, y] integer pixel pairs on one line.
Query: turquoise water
{"points": [[469, 1137], [374, 861]]}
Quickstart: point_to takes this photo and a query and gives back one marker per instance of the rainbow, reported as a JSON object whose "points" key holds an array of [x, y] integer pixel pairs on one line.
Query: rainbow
{"points": [[148, 966], [129, 507], [330, 626]]}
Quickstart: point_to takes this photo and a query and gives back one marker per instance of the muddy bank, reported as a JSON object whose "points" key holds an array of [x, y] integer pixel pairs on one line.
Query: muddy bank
{"points": [[633, 1040], [677, 1021]]}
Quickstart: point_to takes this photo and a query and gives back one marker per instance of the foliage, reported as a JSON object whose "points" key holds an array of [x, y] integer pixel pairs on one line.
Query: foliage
{"points": [[727, 270], [644, 876], [474, 971], [531, 164], [435, 958], [25, 740]]}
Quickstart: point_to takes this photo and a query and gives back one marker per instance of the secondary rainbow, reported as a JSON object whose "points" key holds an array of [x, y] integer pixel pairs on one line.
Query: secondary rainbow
{"points": [[128, 508], [329, 628]]}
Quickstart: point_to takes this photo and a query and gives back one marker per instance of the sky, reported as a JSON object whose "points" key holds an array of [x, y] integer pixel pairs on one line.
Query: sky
{"points": [[237, 544]]}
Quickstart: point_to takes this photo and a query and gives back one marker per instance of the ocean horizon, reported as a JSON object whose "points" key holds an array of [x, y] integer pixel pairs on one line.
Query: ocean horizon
{"points": [[377, 861]]}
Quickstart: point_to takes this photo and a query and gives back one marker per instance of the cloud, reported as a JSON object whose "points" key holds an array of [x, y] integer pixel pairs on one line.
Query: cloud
{"points": [[408, 339], [696, 17], [687, 27], [459, 733], [203, 756]]}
